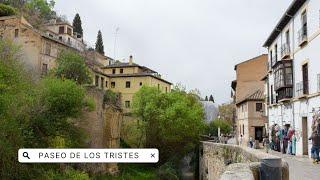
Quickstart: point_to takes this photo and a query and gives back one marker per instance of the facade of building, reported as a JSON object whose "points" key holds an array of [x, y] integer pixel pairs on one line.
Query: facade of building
{"points": [[40, 49], [249, 97], [128, 78], [293, 81]]}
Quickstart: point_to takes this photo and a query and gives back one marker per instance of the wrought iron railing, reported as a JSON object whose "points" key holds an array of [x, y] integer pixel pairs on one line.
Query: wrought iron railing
{"points": [[302, 88], [285, 50], [303, 35]]}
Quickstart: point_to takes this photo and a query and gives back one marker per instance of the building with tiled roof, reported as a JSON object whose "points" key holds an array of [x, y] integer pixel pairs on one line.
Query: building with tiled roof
{"points": [[248, 95]]}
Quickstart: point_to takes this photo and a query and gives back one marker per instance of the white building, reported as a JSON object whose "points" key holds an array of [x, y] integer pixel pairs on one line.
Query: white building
{"points": [[293, 80]]}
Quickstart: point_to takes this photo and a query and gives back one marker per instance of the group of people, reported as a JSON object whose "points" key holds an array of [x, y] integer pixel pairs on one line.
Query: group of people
{"points": [[315, 138], [283, 139]]}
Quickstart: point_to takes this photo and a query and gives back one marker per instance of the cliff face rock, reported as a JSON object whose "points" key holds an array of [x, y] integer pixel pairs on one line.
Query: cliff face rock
{"points": [[102, 126]]}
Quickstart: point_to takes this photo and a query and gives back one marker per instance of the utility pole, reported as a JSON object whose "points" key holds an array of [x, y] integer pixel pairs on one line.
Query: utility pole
{"points": [[115, 43]]}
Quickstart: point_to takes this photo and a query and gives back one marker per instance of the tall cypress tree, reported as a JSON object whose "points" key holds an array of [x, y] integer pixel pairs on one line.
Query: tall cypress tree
{"points": [[77, 25], [99, 43], [206, 99], [211, 98]]}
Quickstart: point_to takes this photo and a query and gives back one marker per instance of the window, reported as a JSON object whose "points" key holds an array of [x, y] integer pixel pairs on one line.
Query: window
{"points": [[243, 129], [106, 84], [101, 84], [127, 104], [305, 79], [69, 41], [48, 48], [113, 84], [60, 38], [16, 33], [113, 71], [121, 71], [288, 38], [69, 31], [166, 89], [96, 81], [140, 83], [44, 68], [258, 107], [128, 84], [61, 29], [276, 53]]}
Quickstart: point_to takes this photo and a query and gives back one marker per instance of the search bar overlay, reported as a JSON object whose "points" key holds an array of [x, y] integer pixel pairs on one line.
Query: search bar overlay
{"points": [[88, 155]]}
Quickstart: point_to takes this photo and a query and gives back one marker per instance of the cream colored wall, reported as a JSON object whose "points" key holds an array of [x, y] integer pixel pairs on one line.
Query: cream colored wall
{"points": [[126, 70], [128, 93]]}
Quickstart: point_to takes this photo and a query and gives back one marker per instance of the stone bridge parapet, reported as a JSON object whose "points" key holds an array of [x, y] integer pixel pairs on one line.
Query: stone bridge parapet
{"points": [[226, 161]]}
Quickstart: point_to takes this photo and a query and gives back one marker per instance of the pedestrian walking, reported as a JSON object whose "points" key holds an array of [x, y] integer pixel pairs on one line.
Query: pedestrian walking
{"points": [[315, 137], [251, 142], [266, 143]]}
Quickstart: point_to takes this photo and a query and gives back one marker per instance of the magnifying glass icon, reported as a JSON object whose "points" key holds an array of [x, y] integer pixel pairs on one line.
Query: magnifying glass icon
{"points": [[26, 155]]}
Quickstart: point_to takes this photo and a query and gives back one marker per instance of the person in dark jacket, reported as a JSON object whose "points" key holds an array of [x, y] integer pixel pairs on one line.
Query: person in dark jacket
{"points": [[315, 137]]}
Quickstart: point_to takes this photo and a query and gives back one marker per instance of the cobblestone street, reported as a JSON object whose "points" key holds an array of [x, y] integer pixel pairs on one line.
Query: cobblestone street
{"points": [[300, 168]]}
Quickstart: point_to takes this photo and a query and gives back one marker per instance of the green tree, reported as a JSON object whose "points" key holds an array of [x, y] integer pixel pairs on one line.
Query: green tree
{"points": [[72, 66], [77, 24], [206, 99], [211, 98], [172, 121], [226, 112], [15, 97], [99, 43], [41, 7], [6, 10], [212, 128], [34, 114]]}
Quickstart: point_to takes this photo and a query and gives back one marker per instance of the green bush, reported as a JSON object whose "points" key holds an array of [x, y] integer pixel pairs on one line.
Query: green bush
{"points": [[212, 128], [62, 97], [174, 121], [6, 10], [71, 65], [69, 174]]}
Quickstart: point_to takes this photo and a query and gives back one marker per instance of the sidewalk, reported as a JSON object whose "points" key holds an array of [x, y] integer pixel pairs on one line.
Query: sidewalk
{"points": [[299, 167]]}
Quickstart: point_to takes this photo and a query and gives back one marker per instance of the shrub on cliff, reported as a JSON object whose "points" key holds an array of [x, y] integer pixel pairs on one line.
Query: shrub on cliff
{"points": [[6, 10], [71, 65]]}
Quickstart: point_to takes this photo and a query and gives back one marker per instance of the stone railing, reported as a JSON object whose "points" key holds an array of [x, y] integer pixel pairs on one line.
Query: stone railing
{"points": [[225, 161]]}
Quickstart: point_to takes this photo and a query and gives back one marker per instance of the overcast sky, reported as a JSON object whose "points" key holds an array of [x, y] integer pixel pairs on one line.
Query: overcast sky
{"points": [[193, 42]]}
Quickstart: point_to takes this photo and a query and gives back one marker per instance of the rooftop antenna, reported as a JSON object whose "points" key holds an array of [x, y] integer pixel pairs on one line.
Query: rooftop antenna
{"points": [[115, 42]]}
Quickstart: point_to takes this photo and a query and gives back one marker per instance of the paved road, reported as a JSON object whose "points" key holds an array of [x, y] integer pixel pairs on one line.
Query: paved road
{"points": [[300, 168]]}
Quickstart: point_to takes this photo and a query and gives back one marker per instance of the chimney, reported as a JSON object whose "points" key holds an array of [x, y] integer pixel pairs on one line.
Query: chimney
{"points": [[130, 60]]}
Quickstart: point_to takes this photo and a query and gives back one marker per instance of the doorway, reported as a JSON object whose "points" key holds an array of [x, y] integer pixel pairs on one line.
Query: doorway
{"points": [[258, 132], [304, 135]]}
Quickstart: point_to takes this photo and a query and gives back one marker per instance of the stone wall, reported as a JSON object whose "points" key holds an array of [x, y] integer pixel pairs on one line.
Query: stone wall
{"points": [[224, 161], [102, 126]]}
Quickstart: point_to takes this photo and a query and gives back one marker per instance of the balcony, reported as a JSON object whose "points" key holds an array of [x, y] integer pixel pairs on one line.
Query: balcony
{"points": [[303, 36], [285, 94], [302, 89], [285, 51]]}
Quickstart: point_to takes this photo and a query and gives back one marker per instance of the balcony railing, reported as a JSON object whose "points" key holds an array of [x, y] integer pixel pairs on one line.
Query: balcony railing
{"points": [[285, 94], [285, 50], [302, 88], [274, 60], [303, 35]]}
